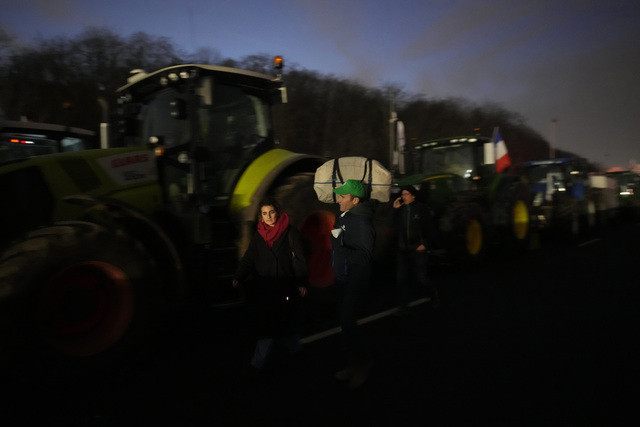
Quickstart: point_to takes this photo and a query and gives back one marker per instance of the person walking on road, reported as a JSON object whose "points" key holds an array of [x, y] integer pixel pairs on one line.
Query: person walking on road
{"points": [[352, 240], [274, 271], [416, 234]]}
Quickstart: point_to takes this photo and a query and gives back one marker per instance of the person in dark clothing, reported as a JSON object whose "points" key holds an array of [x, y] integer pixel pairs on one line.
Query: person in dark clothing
{"points": [[274, 270], [416, 234], [352, 240]]}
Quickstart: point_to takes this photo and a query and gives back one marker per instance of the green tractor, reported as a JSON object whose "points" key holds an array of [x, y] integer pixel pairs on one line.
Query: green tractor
{"points": [[474, 206], [96, 243]]}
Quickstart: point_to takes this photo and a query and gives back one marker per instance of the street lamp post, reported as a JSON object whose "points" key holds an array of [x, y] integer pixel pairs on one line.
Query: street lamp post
{"points": [[393, 118], [552, 139]]}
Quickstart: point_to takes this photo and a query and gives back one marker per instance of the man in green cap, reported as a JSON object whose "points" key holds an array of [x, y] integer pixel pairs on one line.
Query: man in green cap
{"points": [[352, 240]]}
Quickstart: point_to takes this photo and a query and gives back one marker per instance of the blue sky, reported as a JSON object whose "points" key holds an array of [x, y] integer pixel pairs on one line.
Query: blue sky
{"points": [[576, 61]]}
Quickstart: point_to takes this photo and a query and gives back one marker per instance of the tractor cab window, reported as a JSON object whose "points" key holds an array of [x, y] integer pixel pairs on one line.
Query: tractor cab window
{"points": [[156, 119], [230, 124], [554, 176], [234, 121], [71, 143], [233, 125], [459, 159]]}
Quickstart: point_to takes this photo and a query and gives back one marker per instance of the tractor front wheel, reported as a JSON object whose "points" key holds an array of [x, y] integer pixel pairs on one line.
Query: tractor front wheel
{"points": [[75, 289]]}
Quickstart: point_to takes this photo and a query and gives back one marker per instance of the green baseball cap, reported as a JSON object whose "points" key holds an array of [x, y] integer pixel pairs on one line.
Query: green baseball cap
{"points": [[351, 186]]}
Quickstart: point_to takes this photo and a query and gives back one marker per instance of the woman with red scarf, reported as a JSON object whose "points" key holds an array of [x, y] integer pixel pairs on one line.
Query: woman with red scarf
{"points": [[274, 271]]}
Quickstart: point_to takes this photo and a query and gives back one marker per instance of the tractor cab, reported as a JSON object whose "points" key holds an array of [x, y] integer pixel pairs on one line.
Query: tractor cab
{"points": [[206, 123], [554, 178], [447, 166]]}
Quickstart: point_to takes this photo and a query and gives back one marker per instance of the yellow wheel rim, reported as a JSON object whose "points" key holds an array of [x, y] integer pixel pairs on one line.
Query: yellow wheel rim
{"points": [[520, 220], [474, 237]]}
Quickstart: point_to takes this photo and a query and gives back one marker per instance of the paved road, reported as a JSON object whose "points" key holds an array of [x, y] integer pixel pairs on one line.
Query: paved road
{"points": [[549, 337]]}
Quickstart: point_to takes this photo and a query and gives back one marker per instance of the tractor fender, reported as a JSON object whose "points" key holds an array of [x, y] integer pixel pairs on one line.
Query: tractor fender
{"points": [[114, 213], [260, 176]]}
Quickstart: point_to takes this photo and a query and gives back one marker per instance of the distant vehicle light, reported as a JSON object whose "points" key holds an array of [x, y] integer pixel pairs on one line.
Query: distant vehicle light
{"points": [[183, 158], [21, 141]]}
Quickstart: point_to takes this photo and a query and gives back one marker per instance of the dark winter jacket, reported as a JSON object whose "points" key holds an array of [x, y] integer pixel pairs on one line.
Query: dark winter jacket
{"points": [[277, 271], [415, 226], [353, 248]]}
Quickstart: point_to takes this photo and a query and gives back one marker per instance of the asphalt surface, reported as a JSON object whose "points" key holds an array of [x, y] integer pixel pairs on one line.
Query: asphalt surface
{"points": [[548, 337]]}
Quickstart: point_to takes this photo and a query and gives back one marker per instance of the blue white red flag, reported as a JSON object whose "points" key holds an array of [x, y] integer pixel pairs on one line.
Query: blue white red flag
{"points": [[502, 156]]}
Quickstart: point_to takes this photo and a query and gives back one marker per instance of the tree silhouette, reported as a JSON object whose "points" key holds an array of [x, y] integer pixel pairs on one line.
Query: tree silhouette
{"points": [[326, 115]]}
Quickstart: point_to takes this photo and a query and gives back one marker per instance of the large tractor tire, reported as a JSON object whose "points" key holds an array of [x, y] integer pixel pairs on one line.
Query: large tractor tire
{"points": [[466, 242], [474, 235], [314, 219], [75, 290], [520, 219]]}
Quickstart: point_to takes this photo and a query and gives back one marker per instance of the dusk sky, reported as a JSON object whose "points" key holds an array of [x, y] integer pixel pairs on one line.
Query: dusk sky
{"points": [[577, 61]]}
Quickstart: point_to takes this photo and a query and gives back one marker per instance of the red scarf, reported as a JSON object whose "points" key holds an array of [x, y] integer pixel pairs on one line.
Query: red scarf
{"points": [[271, 234]]}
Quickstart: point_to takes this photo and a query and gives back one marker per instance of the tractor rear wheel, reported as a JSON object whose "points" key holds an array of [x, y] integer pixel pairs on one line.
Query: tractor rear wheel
{"points": [[466, 242], [520, 221], [314, 219], [75, 289], [474, 237]]}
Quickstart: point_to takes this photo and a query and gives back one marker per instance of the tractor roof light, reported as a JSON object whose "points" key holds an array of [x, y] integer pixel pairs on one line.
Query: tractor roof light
{"points": [[278, 62], [178, 75]]}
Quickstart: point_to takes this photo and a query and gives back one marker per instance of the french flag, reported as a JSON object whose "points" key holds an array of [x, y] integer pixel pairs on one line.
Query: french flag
{"points": [[502, 156]]}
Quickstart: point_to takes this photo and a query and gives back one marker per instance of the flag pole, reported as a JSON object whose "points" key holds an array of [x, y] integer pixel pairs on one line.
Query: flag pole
{"points": [[495, 134]]}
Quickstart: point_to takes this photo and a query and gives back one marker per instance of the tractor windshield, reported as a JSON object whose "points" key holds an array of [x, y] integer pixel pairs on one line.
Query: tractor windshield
{"points": [[234, 126], [228, 118], [456, 159], [228, 126], [545, 172]]}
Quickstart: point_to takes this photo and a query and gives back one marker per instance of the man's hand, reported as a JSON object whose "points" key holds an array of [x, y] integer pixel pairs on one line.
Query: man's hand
{"points": [[397, 202], [421, 248]]}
